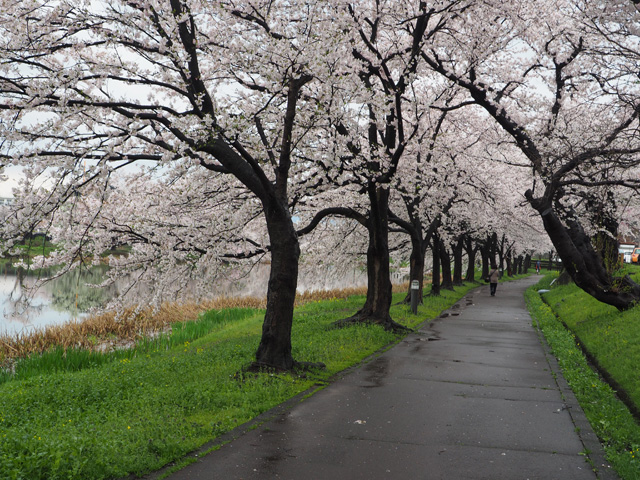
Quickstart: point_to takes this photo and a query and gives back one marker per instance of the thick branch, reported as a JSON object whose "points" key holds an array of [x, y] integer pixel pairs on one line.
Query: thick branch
{"points": [[333, 211]]}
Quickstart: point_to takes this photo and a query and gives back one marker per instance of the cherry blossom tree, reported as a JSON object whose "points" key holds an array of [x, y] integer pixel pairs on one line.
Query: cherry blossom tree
{"points": [[466, 186], [380, 120], [424, 197], [562, 82], [89, 88]]}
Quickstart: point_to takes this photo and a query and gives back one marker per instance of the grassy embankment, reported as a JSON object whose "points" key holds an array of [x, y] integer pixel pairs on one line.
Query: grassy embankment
{"points": [[612, 339], [80, 415]]}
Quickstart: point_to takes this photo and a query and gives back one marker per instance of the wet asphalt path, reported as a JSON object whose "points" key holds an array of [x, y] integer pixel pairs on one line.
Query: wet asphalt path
{"points": [[472, 395]]}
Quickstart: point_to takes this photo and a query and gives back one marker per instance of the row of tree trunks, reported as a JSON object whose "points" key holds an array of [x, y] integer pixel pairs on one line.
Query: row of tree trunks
{"points": [[447, 267]]}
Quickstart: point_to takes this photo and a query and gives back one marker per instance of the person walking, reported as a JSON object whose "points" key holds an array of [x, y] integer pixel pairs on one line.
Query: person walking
{"points": [[538, 267], [494, 275]]}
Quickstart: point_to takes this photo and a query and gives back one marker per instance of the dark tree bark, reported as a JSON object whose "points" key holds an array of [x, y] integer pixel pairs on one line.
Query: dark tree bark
{"points": [[471, 249], [527, 263], [386, 136], [445, 265], [416, 268], [435, 270], [420, 239], [275, 345], [274, 350], [606, 242], [582, 261], [379, 288], [509, 263], [378, 301], [499, 246], [419, 244], [485, 255], [458, 248]]}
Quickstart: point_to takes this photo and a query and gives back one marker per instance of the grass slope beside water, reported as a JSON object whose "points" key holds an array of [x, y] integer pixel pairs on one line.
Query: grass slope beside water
{"points": [[135, 411], [612, 338]]}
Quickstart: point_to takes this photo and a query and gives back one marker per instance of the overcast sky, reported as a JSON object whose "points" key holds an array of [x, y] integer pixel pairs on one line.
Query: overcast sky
{"points": [[9, 181]]}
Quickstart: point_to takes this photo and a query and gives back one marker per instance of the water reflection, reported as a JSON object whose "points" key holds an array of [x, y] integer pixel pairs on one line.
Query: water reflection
{"points": [[64, 298], [73, 292]]}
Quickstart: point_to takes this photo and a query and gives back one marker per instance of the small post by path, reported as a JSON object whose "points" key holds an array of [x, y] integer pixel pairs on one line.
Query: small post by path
{"points": [[415, 288]]}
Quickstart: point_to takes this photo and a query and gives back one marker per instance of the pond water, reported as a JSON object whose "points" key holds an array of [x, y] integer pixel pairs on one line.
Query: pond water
{"points": [[14, 320], [59, 301], [68, 297]]}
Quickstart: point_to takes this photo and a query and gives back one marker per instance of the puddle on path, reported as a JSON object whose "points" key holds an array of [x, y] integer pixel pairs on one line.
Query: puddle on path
{"points": [[376, 371]]}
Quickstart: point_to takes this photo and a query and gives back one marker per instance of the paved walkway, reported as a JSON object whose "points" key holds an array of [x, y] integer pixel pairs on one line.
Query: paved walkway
{"points": [[472, 395]]}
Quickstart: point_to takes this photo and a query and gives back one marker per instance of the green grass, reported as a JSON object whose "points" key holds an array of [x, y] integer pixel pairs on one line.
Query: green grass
{"points": [[612, 338], [134, 412], [61, 360]]}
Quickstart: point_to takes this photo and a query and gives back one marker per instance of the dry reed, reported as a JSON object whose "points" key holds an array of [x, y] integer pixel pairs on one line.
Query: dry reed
{"points": [[108, 331]]}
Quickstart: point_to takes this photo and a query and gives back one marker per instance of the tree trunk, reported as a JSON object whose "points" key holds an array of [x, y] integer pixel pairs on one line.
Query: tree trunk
{"points": [[416, 268], [493, 250], [445, 264], [582, 261], [458, 248], [501, 252], [435, 270], [275, 345], [471, 255], [485, 254], [527, 263], [379, 293]]}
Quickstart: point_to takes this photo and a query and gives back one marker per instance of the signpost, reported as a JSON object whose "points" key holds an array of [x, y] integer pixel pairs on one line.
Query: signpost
{"points": [[415, 290]]}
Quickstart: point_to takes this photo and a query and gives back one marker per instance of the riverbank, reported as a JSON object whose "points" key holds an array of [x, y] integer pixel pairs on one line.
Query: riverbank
{"points": [[112, 331], [149, 406]]}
